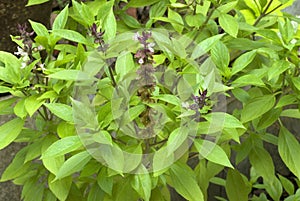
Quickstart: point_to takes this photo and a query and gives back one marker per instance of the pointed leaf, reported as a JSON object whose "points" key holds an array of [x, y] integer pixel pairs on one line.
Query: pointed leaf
{"points": [[289, 148], [10, 131]]}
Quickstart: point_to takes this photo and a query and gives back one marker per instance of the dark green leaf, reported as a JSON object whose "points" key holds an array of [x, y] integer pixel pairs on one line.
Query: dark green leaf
{"points": [[288, 148], [257, 107], [60, 188], [34, 2], [138, 3], [236, 188], [183, 181]]}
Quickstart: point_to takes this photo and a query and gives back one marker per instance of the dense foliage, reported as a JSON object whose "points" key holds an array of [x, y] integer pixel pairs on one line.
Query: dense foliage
{"points": [[120, 107]]}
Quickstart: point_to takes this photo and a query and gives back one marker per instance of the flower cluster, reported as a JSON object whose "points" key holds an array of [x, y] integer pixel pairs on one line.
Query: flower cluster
{"points": [[144, 55], [28, 48], [198, 103], [98, 35]]}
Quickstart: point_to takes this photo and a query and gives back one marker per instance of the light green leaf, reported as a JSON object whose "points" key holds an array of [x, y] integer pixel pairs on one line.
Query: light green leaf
{"points": [[62, 147], [19, 109], [60, 188], [39, 29], [10, 131], [63, 111], [288, 148], [184, 182], [212, 152], [169, 99], [70, 35], [110, 26], [243, 61], [287, 184], [34, 2], [32, 104], [274, 188], [257, 107], [102, 137], [73, 75], [73, 164], [292, 113], [178, 25], [236, 188], [104, 181], [143, 185], [220, 55], [53, 164], [224, 120], [61, 19], [229, 24], [286, 100], [4, 89], [195, 20], [176, 139], [205, 45], [278, 68], [124, 64]]}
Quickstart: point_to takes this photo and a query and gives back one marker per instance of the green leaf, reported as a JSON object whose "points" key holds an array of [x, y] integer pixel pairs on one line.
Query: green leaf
{"points": [[296, 82], [4, 89], [229, 24], [195, 20], [268, 118], [292, 113], [236, 188], [65, 129], [32, 104], [220, 55], [257, 107], [62, 147], [288, 148], [139, 3], [212, 152], [176, 139], [274, 188], [63, 111], [61, 19], [102, 137], [277, 68], [19, 109], [104, 181], [287, 184], [82, 14], [184, 182], [143, 185], [224, 120], [124, 64], [73, 75], [176, 17], [10, 131], [96, 193], [205, 45], [70, 35], [243, 61], [73, 164], [12, 71], [262, 162], [110, 26], [17, 167], [34, 2], [53, 164], [286, 100], [60, 188], [39, 29]]}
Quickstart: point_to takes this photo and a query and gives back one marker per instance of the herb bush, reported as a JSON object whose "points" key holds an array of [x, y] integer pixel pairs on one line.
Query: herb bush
{"points": [[117, 108]]}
